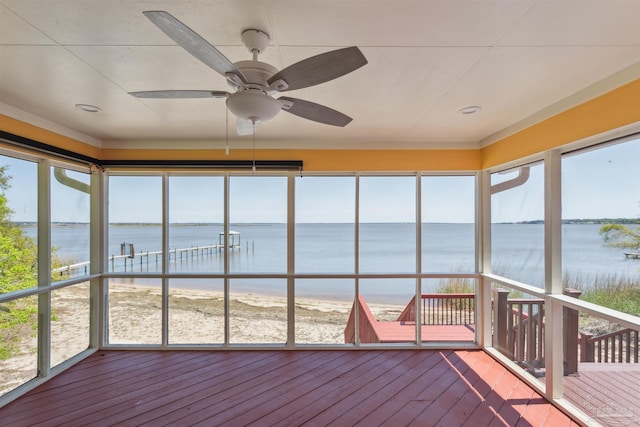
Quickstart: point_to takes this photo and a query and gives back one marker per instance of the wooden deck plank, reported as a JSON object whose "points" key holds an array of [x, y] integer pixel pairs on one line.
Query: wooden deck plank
{"points": [[111, 396], [390, 411], [409, 410], [348, 403], [556, 417], [362, 387], [229, 391], [272, 409], [446, 415], [264, 404], [447, 399], [316, 387], [465, 406], [602, 382], [495, 377], [401, 414], [303, 408], [535, 414], [412, 368], [606, 391], [110, 379], [398, 332], [600, 386], [107, 397], [256, 391], [496, 398], [511, 410], [164, 391]]}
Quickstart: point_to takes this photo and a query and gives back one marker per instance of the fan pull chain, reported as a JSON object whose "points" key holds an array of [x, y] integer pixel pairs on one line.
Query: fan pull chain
{"points": [[226, 147], [254, 146]]}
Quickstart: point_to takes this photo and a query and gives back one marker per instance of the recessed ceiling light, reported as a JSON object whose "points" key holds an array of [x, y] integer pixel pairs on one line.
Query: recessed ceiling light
{"points": [[88, 108], [469, 110]]}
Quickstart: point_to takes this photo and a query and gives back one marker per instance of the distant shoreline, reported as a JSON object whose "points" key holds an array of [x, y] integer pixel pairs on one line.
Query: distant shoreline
{"points": [[25, 224]]}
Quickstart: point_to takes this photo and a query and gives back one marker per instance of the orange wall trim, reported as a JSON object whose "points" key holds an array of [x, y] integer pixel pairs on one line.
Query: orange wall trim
{"points": [[325, 160], [26, 130], [615, 109]]}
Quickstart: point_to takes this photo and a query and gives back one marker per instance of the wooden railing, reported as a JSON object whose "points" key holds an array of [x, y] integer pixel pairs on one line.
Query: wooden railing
{"points": [[442, 309], [525, 323], [618, 346], [367, 324], [519, 334], [518, 327]]}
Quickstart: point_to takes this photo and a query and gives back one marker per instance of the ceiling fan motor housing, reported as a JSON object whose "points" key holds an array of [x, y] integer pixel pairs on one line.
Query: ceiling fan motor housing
{"points": [[253, 105], [256, 72]]}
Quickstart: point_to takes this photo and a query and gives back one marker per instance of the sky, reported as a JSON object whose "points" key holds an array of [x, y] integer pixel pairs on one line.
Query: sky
{"points": [[596, 183]]}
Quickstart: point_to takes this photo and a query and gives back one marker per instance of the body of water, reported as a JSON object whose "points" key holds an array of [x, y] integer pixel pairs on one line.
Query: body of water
{"points": [[518, 250]]}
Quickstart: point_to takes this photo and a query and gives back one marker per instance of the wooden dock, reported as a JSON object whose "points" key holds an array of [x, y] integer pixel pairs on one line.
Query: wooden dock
{"points": [[147, 258], [141, 260]]}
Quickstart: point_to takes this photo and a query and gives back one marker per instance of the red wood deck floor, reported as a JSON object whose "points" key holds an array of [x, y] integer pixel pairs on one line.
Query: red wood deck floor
{"points": [[608, 392], [406, 332], [285, 388]]}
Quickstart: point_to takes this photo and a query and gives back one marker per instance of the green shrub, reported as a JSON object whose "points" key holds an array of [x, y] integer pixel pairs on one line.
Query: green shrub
{"points": [[611, 291]]}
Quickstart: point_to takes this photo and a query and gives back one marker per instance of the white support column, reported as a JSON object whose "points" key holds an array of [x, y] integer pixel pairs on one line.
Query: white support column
{"points": [[97, 256], [418, 299], [165, 262], [356, 266], [225, 252], [291, 239], [554, 356], [483, 259], [44, 267], [553, 222]]}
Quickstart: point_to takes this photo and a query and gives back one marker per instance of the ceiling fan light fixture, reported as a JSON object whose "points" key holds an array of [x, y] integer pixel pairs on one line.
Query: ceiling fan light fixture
{"points": [[253, 105]]}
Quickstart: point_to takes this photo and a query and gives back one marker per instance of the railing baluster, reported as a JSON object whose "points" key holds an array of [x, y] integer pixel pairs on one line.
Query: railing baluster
{"points": [[541, 333], [510, 331], [448, 309]]}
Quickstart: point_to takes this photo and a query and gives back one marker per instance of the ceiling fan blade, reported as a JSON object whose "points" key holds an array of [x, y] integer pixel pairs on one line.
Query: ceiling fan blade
{"points": [[319, 69], [193, 43], [245, 126], [316, 112], [178, 94]]}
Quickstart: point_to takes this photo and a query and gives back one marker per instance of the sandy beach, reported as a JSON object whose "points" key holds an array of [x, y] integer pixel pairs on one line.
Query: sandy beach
{"points": [[196, 317]]}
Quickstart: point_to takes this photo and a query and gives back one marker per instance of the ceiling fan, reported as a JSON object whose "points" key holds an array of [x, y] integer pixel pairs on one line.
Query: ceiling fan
{"points": [[254, 81]]}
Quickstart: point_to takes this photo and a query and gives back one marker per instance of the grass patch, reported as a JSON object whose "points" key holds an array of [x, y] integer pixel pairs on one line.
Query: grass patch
{"points": [[611, 291], [456, 285]]}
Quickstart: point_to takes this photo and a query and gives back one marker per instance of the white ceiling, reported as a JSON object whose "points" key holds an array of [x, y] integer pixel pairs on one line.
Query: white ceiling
{"points": [[517, 59]]}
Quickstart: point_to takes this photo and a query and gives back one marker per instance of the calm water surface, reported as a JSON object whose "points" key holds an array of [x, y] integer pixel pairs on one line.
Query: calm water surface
{"points": [[518, 252]]}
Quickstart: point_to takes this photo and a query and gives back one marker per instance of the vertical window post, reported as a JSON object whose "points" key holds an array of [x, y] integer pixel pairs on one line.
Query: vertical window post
{"points": [[291, 262], [483, 257], [553, 274], [418, 299], [44, 267], [97, 254]]}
